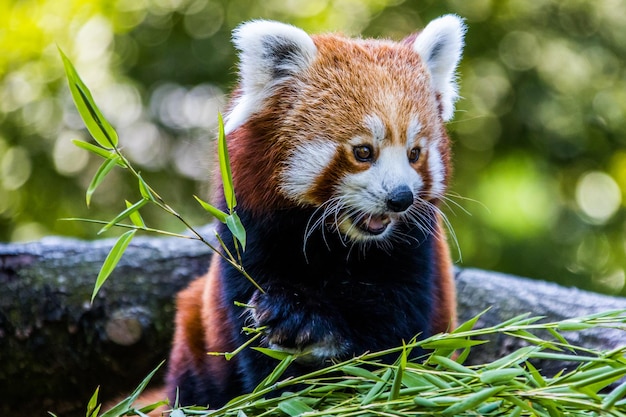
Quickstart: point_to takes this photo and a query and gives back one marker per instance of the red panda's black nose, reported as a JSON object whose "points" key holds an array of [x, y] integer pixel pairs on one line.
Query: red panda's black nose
{"points": [[400, 199]]}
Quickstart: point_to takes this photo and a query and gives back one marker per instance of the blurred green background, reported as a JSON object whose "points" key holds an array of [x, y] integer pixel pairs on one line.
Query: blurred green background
{"points": [[539, 136]]}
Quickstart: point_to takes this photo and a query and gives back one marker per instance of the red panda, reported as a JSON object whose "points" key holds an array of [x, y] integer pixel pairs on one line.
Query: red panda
{"points": [[340, 159]]}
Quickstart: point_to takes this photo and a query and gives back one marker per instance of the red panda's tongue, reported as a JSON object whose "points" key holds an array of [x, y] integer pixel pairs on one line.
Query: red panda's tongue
{"points": [[375, 224]]}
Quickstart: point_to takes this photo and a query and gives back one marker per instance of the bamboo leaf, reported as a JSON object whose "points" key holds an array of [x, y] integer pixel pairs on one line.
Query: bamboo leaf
{"points": [[112, 259], [462, 357], [360, 372], [551, 406], [472, 401], [558, 336], [603, 315], [590, 392], [451, 343], [499, 376], [130, 210], [104, 153], [92, 406], [233, 222], [598, 382], [276, 354], [565, 357], [152, 407], [535, 376], [515, 321], [276, 373], [227, 177], [580, 375], [144, 190], [489, 408], [98, 126], [135, 217], [451, 364], [617, 394], [123, 406], [517, 411], [399, 372], [469, 324], [100, 175], [214, 211], [436, 381], [415, 380], [294, 407], [520, 355], [445, 400], [526, 335], [424, 402], [573, 325], [523, 405], [377, 388]]}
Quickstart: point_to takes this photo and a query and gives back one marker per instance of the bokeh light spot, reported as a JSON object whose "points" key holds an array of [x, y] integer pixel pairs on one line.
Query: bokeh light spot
{"points": [[15, 168], [598, 196], [519, 50], [520, 199], [612, 282], [69, 159]]}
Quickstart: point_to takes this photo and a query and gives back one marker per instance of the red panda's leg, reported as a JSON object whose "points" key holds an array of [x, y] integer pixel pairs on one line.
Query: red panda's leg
{"points": [[201, 327], [188, 349], [217, 327], [444, 316]]}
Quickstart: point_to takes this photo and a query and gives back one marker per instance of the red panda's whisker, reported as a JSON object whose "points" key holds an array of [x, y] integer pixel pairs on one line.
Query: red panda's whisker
{"points": [[450, 229], [312, 224], [421, 215], [450, 202]]}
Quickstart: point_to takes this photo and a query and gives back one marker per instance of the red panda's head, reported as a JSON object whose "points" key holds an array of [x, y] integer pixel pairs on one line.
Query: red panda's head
{"points": [[352, 127]]}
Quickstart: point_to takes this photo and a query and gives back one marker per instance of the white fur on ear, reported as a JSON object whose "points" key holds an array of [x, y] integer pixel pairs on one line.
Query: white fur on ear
{"points": [[269, 52], [440, 45]]}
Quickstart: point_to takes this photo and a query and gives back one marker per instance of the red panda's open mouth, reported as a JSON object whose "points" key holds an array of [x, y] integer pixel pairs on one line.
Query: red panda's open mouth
{"points": [[374, 224]]}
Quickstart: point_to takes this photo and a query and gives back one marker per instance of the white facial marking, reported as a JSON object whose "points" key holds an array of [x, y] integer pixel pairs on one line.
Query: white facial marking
{"points": [[366, 193], [305, 165], [437, 171], [394, 168], [368, 190], [414, 128], [377, 127]]}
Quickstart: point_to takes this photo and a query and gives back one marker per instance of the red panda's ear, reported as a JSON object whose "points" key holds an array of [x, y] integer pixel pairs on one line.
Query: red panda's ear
{"points": [[269, 53], [440, 45]]}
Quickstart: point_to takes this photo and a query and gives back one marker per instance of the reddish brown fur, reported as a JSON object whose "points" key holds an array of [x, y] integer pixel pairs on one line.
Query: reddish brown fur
{"points": [[445, 290], [201, 327], [369, 75]]}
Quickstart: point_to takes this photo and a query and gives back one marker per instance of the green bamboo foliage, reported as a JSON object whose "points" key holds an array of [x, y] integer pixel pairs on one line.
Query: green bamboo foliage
{"points": [[442, 385], [439, 383], [106, 147]]}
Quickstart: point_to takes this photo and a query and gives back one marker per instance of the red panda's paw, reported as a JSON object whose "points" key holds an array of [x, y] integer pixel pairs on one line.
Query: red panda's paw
{"points": [[299, 324]]}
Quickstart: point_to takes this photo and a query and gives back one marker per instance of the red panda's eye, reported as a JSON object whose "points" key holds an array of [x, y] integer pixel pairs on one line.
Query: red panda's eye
{"points": [[363, 153], [414, 155]]}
